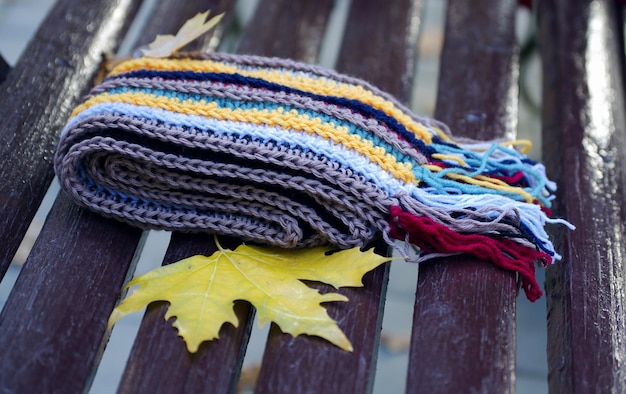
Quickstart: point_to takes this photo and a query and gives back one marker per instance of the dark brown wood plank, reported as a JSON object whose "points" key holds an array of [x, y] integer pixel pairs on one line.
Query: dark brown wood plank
{"points": [[380, 44], [288, 29], [162, 22], [40, 93], [584, 144], [308, 364], [216, 365], [53, 324], [464, 321], [47, 326]]}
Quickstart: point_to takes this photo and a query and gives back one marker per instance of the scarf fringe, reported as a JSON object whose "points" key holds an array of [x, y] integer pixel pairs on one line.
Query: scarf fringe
{"points": [[433, 237]]}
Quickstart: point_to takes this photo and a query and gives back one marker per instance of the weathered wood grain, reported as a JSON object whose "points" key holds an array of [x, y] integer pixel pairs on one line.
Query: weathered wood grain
{"points": [[464, 321], [287, 29], [39, 95], [584, 143], [53, 324], [48, 336]]}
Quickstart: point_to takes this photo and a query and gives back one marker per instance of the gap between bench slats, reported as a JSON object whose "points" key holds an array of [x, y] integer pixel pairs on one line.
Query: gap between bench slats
{"points": [[464, 321], [585, 144], [4, 69]]}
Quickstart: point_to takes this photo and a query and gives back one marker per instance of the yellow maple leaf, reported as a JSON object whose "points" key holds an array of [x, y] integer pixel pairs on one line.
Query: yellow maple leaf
{"points": [[166, 44], [201, 290]]}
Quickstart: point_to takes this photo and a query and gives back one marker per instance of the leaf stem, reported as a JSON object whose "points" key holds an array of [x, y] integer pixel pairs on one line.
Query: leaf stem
{"points": [[217, 243]]}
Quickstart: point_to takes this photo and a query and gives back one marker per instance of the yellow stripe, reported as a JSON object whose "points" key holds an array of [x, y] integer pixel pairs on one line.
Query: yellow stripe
{"points": [[524, 146], [480, 180], [322, 86], [484, 181], [442, 156], [285, 119], [445, 137]]}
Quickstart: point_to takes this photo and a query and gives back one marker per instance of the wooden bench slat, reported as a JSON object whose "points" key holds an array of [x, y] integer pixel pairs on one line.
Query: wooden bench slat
{"points": [[385, 56], [49, 338], [584, 144], [311, 365], [465, 308], [307, 364], [58, 67], [53, 324], [287, 29], [168, 19]]}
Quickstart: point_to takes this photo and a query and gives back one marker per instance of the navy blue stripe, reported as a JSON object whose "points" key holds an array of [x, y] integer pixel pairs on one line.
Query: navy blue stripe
{"points": [[357, 106]]}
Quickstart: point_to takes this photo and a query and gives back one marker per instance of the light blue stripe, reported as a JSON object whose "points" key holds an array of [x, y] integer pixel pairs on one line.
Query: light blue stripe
{"points": [[318, 145], [224, 102]]}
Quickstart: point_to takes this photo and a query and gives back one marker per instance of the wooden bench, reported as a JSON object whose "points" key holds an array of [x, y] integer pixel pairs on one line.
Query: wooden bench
{"points": [[53, 326]]}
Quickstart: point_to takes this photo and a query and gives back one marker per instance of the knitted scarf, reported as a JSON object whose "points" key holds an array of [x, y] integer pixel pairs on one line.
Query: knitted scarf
{"points": [[294, 155]]}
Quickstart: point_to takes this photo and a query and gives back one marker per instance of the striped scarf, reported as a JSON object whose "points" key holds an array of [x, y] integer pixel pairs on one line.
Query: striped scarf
{"points": [[294, 155]]}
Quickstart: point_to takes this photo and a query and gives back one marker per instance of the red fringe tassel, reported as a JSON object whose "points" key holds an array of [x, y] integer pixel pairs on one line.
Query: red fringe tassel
{"points": [[431, 237]]}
